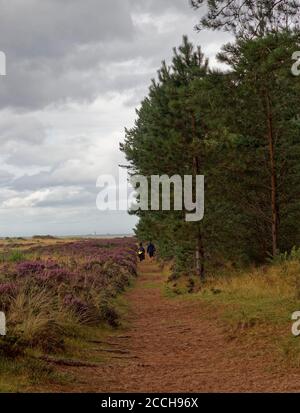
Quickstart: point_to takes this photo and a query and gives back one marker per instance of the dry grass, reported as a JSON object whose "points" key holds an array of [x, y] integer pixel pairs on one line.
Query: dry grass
{"points": [[37, 319], [258, 303], [253, 304]]}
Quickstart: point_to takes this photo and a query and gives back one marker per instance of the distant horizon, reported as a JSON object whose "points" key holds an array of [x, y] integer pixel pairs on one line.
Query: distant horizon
{"points": [[69, 235]]}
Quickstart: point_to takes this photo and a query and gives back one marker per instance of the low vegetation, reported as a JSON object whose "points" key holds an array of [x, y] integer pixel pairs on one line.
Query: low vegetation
{"points": [[254, 303], [53, 292]]}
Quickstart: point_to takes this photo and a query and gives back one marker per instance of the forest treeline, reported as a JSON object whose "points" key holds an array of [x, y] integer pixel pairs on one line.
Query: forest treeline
{"points": [[239, 127]]}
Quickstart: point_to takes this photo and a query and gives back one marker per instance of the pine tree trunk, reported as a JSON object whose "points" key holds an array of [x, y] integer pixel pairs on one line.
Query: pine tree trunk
{"points": [[199, 253], [274, 189], [200, 257]]}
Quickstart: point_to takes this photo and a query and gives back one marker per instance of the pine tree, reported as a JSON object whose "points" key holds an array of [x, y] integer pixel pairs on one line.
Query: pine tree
{"points": [[168, 139], [266, 107], [241, 130]]}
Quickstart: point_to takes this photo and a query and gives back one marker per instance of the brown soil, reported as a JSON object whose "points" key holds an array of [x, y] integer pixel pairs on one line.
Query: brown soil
{"points": [[178, 345]]}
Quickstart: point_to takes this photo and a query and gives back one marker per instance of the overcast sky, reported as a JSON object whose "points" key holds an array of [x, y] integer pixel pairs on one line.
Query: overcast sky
{"points": [[76, 71]]}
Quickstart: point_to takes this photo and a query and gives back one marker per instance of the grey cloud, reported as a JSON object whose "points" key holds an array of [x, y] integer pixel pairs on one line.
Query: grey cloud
{"points": [[70, 172], [6, 178], [35, 28], [56, 177], [72, 197], [16, 128], [63, 50], [76, 69], [159, 7], [38, 38]]}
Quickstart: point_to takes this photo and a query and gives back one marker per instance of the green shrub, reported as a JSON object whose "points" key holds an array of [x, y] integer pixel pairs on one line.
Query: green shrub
{"points": [[280, 258], [16, 256]]}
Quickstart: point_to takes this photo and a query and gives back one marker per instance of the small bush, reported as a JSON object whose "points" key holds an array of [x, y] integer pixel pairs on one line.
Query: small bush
{"points": [[109, 313], [280, 258], [16, 256]]}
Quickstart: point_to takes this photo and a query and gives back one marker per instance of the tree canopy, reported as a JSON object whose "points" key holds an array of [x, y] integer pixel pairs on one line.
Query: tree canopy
{"points": [[240, 128], [248, 18]]}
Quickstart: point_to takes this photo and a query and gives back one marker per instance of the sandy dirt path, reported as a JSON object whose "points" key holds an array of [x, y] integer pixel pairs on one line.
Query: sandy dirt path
{"points": [[172, 346]]}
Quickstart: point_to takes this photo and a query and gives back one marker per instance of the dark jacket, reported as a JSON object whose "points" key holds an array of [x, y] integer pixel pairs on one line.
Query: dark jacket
{"points": [[151, 249]]}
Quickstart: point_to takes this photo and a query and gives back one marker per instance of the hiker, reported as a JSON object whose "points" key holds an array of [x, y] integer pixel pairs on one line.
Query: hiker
{"points": [[151, 249], [141, 252]]}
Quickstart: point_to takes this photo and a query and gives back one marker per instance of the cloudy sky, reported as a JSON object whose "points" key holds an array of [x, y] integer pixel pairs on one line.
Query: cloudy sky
{"points": [[76, 71]]}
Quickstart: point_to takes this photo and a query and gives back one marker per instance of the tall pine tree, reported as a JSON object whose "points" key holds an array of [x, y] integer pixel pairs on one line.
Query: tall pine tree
{"points": [[167, 139]]}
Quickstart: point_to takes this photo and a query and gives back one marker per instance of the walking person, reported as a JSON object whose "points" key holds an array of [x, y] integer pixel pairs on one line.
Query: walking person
{"points": [[151, 250], [141, 252]]}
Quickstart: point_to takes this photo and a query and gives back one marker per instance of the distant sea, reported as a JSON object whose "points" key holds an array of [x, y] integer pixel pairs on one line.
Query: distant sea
{"points": [[97, 236]]}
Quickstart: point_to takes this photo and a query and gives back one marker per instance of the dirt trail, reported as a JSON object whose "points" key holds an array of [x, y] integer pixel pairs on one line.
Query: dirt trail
{"points": [[171, 347]]}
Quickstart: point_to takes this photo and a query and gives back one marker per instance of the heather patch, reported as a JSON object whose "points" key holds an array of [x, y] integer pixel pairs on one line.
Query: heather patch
{"points": [[52, 289]]}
